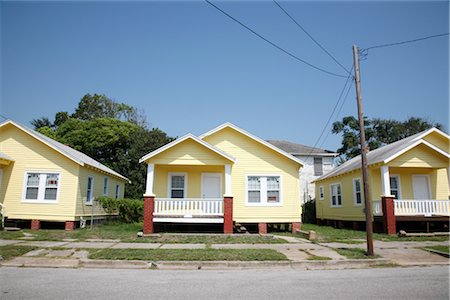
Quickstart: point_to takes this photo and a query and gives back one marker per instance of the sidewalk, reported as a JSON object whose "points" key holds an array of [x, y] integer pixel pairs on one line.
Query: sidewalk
{"points": [[70, 254]]}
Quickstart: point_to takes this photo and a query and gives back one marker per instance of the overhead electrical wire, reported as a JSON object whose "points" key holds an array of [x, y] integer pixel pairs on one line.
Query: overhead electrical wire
{"points": [[311, 37], [273, 44], [406, 42]]}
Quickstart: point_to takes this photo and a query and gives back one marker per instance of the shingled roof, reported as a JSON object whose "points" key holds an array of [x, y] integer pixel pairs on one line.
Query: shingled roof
{"points": [[299, 149]]}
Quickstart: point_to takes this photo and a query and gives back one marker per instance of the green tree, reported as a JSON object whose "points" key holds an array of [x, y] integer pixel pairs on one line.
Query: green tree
{"points": [[379, 132]]}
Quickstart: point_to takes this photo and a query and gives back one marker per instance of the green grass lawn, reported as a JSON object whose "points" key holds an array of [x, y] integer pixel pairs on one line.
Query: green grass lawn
{"points": [[128, 233], [188, 254], [10, 251], [354, 253], [441, 248], [328, 234]]}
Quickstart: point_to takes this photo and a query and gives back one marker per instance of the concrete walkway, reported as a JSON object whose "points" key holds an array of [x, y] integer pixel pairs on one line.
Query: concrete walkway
{"points": [[71, 254]]}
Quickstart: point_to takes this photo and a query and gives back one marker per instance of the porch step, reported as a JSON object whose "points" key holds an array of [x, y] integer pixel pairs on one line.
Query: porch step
{"points": [[239, 228], [11, 228]]}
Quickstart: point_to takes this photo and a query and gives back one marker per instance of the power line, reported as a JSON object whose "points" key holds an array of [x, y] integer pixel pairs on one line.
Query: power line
{"points": [[406, 42], [311, 37], [272, 43]]}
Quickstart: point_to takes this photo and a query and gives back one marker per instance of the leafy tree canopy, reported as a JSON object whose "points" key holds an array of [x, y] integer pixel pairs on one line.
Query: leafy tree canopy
{"points": [[112, 136], [379, 132]]}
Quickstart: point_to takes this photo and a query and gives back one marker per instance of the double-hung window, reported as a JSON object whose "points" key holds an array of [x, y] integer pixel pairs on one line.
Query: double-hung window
{"points": [[105, 186], [357, 195], [321, 193], [90, 190], [263, 190], [336, 195], [177, 185], [117, 191], [318, 166], [41, 186], [395, 186]]}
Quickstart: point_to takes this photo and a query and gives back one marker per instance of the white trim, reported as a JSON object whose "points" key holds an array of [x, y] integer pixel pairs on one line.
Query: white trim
{"points": [[267, 144], [428, 183], [41, 187], [169, 183], [212, 174], [106, 185], [91, 200], [263, 191], [399, 184], [331, 195], [150, 179], [321, 195], [187, 220], [183, 138], [385, 183], [228, 191], [360, 191], [415, 144], [117, 191]]}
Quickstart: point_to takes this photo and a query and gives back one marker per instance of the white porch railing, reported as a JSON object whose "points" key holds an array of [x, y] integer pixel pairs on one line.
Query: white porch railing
{"points": [[188, 207], [2, 211], [425, 208]]}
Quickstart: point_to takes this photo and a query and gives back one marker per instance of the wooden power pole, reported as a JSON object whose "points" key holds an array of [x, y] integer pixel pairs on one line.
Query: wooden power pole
{"points": [[365, 178]]}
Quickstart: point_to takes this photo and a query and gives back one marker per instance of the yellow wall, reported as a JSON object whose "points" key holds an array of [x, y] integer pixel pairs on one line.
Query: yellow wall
{"points": [[420, 156], [30, 154], [438, 140], [252, 158]]}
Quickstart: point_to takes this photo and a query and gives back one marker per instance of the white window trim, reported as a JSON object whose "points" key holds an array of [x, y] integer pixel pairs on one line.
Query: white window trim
{"points": [[354, 191], [321, 197], [40, 201], [211, 173], [263, 199], [90, 201], [331, 195], [399, 185], [105, 186], [169, 181], [117, 191]]}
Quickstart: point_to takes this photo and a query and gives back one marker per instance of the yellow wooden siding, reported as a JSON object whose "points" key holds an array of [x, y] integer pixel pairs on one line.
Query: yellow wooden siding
{"points": [[439, 141], [189, 152], [194, 178], [420, 156], [86, 210], [32, 155], [252, 158]]}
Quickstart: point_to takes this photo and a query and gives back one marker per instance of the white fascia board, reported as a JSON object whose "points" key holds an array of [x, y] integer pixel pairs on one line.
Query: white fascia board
{"points": [[183, 138], [248, 134], [404, 150], [434, 129]]}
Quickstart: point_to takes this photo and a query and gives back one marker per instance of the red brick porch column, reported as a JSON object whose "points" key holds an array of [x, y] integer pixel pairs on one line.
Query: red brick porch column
{"points": [[149, 208], [35, 224], [262, 228], [296, 227], [70, 225], [389, 226], [227, 215]]}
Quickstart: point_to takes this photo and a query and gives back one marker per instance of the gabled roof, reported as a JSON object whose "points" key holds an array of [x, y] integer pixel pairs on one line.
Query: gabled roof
{"points": [[253, 137], [387, 153], [72, 154], [5, 157], [299, 149], [182, 139]]}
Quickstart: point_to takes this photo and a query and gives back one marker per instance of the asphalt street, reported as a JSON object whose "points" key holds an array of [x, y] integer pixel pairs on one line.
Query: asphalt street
{"points": [[379, 283]]}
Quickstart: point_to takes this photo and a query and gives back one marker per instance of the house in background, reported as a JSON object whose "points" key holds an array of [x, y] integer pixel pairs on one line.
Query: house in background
{"points": [[224, 176], [316, 162], [409, 184], [44, 180]]}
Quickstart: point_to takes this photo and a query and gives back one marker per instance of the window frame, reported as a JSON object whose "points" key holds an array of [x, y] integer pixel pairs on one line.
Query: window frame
{"points": [[169, 184], [331, 195], [41, 185], [91, 200], [263, 192], [321, 192], [321, 166], [105, 186], [399, 185], [117, 191], [355, 202]]}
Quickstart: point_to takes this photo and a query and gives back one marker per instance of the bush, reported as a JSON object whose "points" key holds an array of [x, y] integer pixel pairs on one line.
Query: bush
{"points": [[129, 210], [309, 212]]}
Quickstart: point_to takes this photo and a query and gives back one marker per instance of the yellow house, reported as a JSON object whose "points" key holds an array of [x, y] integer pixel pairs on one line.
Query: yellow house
{"points": [[412, 172], [223, 176], [44, 180]]}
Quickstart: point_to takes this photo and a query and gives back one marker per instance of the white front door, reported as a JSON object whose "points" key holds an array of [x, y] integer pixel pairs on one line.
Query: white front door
{"points": [[211, 185], [421, 187]]}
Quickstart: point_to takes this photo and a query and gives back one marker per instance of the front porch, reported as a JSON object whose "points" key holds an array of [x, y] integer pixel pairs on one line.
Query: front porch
{"points": [[188, 210]]}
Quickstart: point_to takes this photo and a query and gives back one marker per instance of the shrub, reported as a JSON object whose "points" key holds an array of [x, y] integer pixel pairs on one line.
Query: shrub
{"points": [[129, 210], [309, 212]]}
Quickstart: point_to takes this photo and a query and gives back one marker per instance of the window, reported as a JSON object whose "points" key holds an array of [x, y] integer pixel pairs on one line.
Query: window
{"points": [[105, 186], [357, 195], [395, 186], [117, 191], [321, 193], [90, 189], [177, 185], [41, 186], [263, 190], [318, 167], [336, 196]]}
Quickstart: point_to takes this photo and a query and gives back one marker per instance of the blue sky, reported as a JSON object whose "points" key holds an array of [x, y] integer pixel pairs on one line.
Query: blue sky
{"points": [[190, 68]]}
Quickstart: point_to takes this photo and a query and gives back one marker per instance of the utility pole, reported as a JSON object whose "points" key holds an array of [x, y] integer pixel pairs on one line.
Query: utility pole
{"points": [[365, 178]]}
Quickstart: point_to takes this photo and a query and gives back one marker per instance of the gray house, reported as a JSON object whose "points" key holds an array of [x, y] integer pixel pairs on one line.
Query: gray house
{"points": [[316, 162]]}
